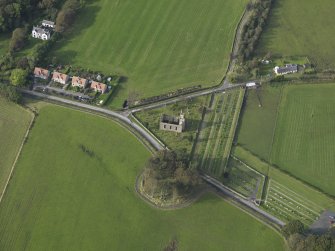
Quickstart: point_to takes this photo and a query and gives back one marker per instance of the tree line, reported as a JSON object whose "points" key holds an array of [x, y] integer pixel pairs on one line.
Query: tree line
{"points": [[18, 13], [300, 239], [252, 31]]}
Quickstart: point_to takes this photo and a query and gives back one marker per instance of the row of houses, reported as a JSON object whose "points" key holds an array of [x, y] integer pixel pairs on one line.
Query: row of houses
{"points": [[63, 79]]}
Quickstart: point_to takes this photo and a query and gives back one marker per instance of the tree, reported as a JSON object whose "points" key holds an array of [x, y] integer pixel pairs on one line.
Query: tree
{"points": [[293, 227], [167, 176], [18, 77], [10, 93], [18, 39], [67, 15]]}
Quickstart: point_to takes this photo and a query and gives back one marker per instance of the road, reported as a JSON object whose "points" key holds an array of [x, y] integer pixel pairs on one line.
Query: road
{"points": [[183, 97], [116, 115], [242, 201]]}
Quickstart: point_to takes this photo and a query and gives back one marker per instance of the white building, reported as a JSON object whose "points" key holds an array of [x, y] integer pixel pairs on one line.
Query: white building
{"points": [[287, 69], [251, 85], [40, 33], [50, 24]]}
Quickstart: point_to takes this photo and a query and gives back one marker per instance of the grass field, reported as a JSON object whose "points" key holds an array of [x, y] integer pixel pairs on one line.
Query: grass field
{"points": [[299, 29], [176, 141], [160, 45], [304, 142], [73, 189], [14, 123], [257, 124], [285, 196], [217, 132]]}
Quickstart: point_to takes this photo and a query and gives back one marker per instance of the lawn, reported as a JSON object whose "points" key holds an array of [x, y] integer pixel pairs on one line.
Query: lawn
{"points": [[304, 142], [14, 123], [73, 189], [298, 28], [257, 123], [159, 45]]}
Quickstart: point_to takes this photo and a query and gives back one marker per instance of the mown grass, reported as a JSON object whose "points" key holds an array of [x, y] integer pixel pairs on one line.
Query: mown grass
{"points": [[14, 123], [160, 45], [304, 142], [301, 29], [284, 179], [257, 123], [62, 197]]}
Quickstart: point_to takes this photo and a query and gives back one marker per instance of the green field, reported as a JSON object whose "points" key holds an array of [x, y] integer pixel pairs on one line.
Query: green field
{"points": [[285, 196], [217, 132], [257, 123], [304, 142], [159, 45], [14, 123], [192, 110], [300, 28], [73, 189]]}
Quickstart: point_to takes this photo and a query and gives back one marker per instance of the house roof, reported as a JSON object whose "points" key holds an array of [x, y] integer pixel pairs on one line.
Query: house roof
{"points": [[41, 72], [41, 31], [287, 68], [99, 86], [48, 22], [79, 81], [59, 76]]}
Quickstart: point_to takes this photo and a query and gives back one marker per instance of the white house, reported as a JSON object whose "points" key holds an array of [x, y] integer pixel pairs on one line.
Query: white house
{"points": [[40, 33], [49, 24], [287, 69]]}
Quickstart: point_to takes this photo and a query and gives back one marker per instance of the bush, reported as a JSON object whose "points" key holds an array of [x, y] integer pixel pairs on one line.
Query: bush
{"points": [[10, 93], [18, 39], [293, 227], [18, 77]]}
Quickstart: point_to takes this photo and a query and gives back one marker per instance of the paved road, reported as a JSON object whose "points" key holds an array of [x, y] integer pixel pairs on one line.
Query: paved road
{"points": [[240, 200], [59, 90], [119, 116], [183, 97]]}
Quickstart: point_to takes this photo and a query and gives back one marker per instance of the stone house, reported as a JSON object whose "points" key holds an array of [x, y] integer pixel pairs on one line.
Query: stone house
{"points": [[172, 124], [40, 33]]}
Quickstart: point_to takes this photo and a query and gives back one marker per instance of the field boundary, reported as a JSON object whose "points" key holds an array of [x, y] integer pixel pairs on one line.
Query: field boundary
{"points": [[18, 153], [235, 121]]}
